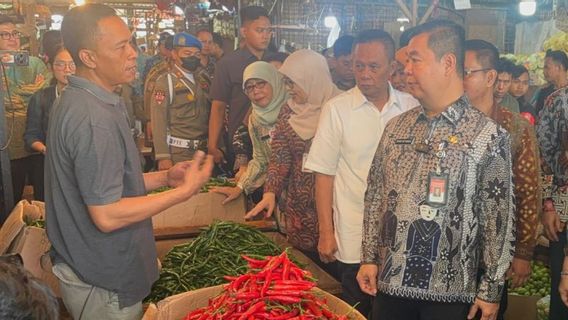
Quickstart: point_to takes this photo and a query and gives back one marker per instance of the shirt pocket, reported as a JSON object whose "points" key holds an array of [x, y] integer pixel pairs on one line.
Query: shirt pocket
{"points": [[185, 106]]}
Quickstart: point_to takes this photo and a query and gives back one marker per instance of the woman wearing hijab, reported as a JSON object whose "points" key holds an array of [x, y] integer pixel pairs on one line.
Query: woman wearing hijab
{"points": [[309, 85], [265, 88]]}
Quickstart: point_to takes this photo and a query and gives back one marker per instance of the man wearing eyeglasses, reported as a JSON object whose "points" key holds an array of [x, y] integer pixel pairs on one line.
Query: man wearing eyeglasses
{"points": [[481, 59], [21, 83], [180, 106]]}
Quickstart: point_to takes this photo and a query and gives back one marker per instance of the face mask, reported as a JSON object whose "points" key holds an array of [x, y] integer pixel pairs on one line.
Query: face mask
{"points": [[190, 63]]}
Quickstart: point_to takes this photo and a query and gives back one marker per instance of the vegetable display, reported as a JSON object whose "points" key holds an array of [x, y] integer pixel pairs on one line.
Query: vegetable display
{"points": [[538, 283], [39, 223], [274, 288], [212, 183], [204, 262], [543, 308]]}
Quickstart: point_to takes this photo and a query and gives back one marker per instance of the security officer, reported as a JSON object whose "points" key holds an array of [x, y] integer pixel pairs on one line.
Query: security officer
{"points": [[180, 106], [150, 77]]}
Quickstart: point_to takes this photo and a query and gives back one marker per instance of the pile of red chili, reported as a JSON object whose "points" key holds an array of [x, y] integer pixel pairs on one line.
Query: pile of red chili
{"points": [[274, 288]]}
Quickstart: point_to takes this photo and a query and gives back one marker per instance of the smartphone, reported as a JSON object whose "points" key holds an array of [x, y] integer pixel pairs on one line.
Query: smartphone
{"points": [[15, 58]]}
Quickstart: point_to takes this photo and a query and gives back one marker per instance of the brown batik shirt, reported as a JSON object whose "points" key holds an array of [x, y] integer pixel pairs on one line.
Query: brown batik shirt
{"points": [[526, 178]]}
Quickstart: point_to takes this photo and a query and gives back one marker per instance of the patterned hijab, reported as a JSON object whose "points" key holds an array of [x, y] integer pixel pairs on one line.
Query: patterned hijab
{"points": [[267, 72], [308, 69]]}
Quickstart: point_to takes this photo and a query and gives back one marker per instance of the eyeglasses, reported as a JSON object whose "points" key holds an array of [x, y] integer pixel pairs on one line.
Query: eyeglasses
{"points": [[469, 72], [288, 82], [249, 87], [12, 35], [61, 65]]}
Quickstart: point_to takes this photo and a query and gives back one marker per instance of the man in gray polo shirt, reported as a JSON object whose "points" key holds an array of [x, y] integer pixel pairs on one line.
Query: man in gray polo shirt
{"points": [[97, 211]]}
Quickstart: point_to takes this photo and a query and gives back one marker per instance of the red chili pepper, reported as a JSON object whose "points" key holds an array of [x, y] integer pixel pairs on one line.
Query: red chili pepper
{"points": [[286, 269], [254, 263], [294, 293], [288, 315], [291, 287], [266, 284], [237, 283], [254, 308], [247, 295], [286, 299], [317, 311]]}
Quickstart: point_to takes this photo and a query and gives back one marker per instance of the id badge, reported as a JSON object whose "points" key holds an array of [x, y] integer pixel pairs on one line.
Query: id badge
{"points": [[437, 189], [304, 160]]}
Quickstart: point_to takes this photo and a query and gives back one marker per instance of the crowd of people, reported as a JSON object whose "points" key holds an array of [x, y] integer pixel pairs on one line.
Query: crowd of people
{"points": [[415, 174]]}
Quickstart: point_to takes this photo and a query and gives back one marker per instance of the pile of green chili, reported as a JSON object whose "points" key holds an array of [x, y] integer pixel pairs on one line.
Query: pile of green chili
{"points": [[215, 253], [212, 183]]}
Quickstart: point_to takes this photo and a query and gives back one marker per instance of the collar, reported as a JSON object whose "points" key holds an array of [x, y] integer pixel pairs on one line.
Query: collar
{"points": [[246, 52], [188, 75], [360, 100], [453, 112], [94, 89]]}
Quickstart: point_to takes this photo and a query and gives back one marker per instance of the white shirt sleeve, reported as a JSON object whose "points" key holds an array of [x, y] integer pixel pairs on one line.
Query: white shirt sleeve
{"points": [[326, 147]]}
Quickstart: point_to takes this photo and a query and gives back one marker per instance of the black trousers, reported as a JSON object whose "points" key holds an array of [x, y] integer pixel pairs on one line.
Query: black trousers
{"points": [[558, 310], [350, 290], [28, 169], [387, 307]]}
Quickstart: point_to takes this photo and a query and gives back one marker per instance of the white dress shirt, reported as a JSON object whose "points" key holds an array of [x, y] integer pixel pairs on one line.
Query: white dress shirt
{"points": [[349, 131]]}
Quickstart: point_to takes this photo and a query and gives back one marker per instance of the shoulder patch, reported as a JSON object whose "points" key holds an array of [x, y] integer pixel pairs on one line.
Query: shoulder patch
{"points": [[159, 96]]}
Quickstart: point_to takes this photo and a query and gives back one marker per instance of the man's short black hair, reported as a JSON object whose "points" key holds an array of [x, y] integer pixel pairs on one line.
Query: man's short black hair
{"points": [[50, 41], [218, 39], [444, 37], [169, 42], [485, 52], [80, 25], [505, 65], [405, 37], [163, 36], [203, 30], [252, 13], [376, 35], [518, 71], [558, 56], [343, 46], [5, 19]]}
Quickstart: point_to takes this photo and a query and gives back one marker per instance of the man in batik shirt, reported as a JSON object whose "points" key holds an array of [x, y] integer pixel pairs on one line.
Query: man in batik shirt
{"points": [[450, 166]]}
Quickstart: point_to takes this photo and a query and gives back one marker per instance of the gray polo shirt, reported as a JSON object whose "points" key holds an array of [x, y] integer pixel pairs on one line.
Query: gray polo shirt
{"points": [[93, 160]]}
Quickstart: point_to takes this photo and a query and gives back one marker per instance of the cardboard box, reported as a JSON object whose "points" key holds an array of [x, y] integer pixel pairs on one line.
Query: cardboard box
{"points": [[521, 307], [30, 242], [199, 211], [178, 306], [325, 281]]}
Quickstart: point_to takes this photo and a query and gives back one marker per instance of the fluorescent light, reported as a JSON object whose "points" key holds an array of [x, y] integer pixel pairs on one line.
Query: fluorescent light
{"points": [[527, 7], [80, 2], [402, 20], [330, 22]]}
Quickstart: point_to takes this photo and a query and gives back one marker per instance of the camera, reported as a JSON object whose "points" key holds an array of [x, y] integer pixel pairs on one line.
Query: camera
{"points": [[14, 58]]}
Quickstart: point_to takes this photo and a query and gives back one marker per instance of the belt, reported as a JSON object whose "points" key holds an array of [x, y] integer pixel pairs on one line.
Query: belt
{"points": [[186, 143]]}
